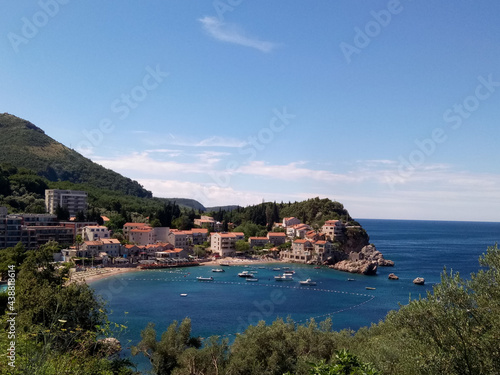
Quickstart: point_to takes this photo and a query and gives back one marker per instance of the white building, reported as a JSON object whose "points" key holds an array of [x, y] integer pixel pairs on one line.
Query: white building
{"points": [[74, 200]]}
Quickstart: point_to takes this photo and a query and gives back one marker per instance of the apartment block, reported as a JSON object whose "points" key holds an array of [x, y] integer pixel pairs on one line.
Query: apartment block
{"points": [[73, 200]]}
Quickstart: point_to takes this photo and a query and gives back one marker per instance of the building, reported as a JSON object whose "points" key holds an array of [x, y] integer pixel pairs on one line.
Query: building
{"points": [[199, 235], [95, 232], [129, 226], [172, 254], [289, 221], [181, 239], [142, 235], [258, 241], [304, 251], [73, 200], [39, 219], [333, 229], [110, 246], [276, 238], [224, 243], [297, 230], [10, 229]]}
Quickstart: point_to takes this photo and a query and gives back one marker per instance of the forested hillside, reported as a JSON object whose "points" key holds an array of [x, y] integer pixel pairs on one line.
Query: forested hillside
{"points": [[24, 145]]}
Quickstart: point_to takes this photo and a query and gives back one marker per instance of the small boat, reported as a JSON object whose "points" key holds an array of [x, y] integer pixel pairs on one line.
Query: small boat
{"points": [[288, 272], [286, 268], [276, 269], [252, 279], [307, 282], [200, 278], [245, 274], [218, 270], [183, 294], [370, 288], [224, 264], [284, 277], [351, 280]]}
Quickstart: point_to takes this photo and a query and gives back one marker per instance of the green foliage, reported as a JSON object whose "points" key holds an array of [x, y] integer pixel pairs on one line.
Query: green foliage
{"points": [[242, 245]]}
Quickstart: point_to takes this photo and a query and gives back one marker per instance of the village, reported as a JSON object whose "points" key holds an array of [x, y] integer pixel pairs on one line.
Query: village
{"points": [[90, 243]]}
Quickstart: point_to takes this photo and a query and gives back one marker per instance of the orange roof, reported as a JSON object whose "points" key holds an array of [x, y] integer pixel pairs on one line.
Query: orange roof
{"points": [[93, 243], [238, 233], [110, 241], [320, 242], [199, 230], [300, 241], [258, 238], [276, 234], [139, 230], [331, 222], [135, 224]]}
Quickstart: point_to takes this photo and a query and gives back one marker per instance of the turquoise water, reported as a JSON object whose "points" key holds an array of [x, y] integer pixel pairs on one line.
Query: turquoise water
{"points": [[229, 303]]}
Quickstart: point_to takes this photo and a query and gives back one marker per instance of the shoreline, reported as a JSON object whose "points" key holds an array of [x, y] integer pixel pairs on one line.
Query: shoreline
{"points": [[103, 273]]}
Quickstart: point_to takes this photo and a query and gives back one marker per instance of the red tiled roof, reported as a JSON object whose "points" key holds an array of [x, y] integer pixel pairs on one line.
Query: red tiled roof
{"points": [[276, 234], [320, 242], [258, 238]]}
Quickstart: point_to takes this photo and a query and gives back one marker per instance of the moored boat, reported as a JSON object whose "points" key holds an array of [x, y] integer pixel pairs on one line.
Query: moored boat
{"points": [[284, 277], [307, 282], [200, 278], [252, 279], [217, 270], [245, 274], [370, 288]]}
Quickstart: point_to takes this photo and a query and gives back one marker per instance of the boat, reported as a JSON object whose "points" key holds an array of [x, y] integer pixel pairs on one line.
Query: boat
{"points": [[286, 268], [217, 270], [284, 277], [262, 268], [351, 280], [224, 264], [154, 266], [183, 294], [276, 269], [200, 278], [289, 272], [307, 282], [245, 274], [370, 288], [252, 279]]}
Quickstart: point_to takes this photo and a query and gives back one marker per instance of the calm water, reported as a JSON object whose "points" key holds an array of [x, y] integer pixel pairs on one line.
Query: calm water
{"points": [[229, 303]]}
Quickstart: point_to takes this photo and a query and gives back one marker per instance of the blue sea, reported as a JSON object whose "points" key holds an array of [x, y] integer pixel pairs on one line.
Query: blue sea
{"points": [[229, 303]]}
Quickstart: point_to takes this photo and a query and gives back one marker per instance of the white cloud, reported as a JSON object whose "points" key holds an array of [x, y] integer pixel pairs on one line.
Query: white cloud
{"points": [[217, 141], [233, 34]]}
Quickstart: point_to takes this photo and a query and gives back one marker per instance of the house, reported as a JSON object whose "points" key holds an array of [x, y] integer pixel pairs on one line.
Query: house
{"points": [[258, 241], [314, 236], [199, 235], [127, 227], [95, 232], [172, 254], [297, 230], [111, 246], [289, 221], [276, 238], [333, 229], [181, 239], [142, 235], [224, 243], [304, 251]]}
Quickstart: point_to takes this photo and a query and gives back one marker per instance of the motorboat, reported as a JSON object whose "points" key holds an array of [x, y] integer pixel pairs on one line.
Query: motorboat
{"points": [[351, 280], [200, 278], [245, 274], [183, 294], [307, 282], [276, 269], [252, 279], [370, 288], [284, 277], [218, 270]]}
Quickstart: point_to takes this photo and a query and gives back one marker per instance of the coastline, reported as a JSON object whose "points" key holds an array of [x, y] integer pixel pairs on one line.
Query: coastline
{"points": [[103, 273]]}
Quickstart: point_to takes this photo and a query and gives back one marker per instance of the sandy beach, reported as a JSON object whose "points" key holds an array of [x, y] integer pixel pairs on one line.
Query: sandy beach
{"points": [[239, 262], [92, 275]]}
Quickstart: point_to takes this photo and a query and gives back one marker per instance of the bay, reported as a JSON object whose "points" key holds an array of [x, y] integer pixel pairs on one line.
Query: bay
{"points": [[229, 303]]}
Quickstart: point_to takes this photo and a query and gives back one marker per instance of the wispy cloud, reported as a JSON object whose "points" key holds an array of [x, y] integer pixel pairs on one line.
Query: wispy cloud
{"points": [[233, 34]]}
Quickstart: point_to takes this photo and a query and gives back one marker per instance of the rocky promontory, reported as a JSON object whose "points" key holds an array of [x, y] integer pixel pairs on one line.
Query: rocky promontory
{"points": [[365, 261]]}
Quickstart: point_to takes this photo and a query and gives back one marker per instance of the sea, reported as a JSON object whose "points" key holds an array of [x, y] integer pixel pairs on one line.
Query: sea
{"points": [[228, 304]]}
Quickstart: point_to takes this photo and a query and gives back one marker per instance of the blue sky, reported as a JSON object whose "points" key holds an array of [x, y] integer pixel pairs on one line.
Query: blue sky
{"points": [[390, 107]]}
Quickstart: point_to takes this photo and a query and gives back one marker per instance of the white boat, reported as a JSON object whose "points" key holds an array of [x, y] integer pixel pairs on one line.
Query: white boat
{"points": [[288, 272], [200, 278], [283, 277], [183, 294], [217, 270], [245, 274], [307, 282], [276, 269], [252, 279]]}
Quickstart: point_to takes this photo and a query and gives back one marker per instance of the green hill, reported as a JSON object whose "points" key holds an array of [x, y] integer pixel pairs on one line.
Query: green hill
{"points": [[24, 145]]}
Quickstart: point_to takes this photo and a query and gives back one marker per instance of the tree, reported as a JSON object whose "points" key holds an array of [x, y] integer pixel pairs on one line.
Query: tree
{"points": [[242, 245]]}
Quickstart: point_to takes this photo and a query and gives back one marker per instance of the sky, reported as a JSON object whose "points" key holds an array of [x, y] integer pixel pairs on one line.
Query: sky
{"points": [[389, 107]]}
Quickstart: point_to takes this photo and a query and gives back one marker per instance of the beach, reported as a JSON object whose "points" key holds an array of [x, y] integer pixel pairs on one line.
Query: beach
{"points": [[95, 274], [238, 262]]}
